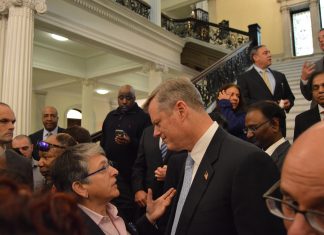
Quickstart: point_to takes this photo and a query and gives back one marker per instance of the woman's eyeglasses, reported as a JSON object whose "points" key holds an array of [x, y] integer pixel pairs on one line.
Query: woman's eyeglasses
{"points": [[45, 147], [103, 168]]}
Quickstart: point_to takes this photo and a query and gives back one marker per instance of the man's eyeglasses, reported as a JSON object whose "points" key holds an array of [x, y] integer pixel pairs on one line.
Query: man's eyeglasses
{"points": [[105, 167], [254, 128], [45, 147], [288, 210], [127, 97]]}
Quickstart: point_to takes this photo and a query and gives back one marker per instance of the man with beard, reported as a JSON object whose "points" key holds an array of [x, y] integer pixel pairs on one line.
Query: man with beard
{"points": [[50, 119], [12, 164], [264, 122], [121, 134], [306, 119]]}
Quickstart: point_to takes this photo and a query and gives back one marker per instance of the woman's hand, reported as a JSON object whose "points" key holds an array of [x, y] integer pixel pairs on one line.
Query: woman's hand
{"points": [[155, 209], [223, 95]]}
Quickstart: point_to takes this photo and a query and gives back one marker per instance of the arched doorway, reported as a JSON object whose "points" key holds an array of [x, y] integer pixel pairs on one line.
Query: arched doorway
{"points": [[74, 117]]}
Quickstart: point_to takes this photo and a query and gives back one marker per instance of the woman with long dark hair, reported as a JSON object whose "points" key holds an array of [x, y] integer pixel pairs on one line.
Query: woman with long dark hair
{"points": [[231, 106]]}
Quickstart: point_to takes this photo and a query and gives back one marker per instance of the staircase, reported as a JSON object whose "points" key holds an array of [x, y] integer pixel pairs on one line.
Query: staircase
{"points": [[292, 69]]}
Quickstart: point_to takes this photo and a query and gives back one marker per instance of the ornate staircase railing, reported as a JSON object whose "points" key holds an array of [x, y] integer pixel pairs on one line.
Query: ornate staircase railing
{"points": [[138, 6], [226, 69], [218, 34]]}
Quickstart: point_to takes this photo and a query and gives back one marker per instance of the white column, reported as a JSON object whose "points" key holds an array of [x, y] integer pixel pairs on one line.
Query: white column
{"points": [[3, 26], [155, 14], [87, 104], [17, 83], [316, 23], [286, 22]]}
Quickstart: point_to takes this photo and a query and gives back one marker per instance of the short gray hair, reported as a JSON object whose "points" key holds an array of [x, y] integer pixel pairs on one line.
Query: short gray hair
{"points": [[171, 91], [72, 165], [254, 51]]}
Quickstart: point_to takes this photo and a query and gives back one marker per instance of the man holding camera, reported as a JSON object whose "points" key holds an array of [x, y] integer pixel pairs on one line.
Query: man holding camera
{"points": [[121, 133]]}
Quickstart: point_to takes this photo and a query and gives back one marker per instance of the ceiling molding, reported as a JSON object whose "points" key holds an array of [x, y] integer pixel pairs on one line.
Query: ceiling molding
{"points": [[56, 84], [53, 48], [115, 70]]}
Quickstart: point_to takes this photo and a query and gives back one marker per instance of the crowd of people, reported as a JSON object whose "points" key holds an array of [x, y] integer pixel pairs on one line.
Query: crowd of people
{"points": [[171, 167]]}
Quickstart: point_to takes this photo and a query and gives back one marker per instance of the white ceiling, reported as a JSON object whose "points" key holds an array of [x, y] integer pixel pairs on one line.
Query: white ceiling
{"points": [[64, 65], [110, 74]]}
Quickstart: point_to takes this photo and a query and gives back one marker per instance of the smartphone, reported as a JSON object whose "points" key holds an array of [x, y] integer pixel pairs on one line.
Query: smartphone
{"points": [[119, 132]]}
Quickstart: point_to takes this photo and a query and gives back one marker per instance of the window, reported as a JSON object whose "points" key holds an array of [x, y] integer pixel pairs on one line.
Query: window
{"points": [[74, 117], [302, 32]]}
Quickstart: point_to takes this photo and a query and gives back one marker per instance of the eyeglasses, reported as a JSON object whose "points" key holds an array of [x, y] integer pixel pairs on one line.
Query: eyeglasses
{"points": [[254, 128], [288, 210], [127, 97], [105, 167], [45, 147]]}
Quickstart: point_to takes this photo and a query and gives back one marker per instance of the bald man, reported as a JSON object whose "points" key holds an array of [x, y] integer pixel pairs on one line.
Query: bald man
{"points": [[302, 185], [121, 134], [50, 119]]}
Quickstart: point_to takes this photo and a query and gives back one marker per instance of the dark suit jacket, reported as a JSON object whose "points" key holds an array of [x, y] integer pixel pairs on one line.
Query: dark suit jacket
{"points": [[279, 155], [38, 136], [254, 89], [18, 167], [305, 120], [225, 197], [142, 227], [306, 89], [148, 159]]}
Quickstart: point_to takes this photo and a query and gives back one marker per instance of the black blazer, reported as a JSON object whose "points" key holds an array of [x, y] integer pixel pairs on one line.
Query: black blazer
{"points": [[19, 167], [142, 227], [305, 120], [225, 197], [254, 89], [306, 89], [148, 159], [279, 155], [38, 136]]}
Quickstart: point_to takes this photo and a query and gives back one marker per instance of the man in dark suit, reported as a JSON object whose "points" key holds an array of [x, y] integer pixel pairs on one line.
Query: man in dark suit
{"points": [[308, 118], [12, 164], [264, 123], [309, 69], [149, 158], [302, 181], [150, 168], [262, 83], [222, 182], [50, 119]]}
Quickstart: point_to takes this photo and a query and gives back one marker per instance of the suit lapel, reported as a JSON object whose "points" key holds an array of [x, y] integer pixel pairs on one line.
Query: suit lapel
{"points": [[281, 148], [260, 81], [204, 175]]}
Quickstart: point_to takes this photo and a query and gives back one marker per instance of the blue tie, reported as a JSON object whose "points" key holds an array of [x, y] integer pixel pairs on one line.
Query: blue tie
{"points": [[184, 192], [164, 150]]}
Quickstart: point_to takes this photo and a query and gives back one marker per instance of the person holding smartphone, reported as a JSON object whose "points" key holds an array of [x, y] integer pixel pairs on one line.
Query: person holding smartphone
{"points": [[121, 133]]}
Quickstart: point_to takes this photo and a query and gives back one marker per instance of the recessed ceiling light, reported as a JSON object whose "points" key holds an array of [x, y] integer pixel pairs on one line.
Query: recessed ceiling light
{"points": [[102, 91], [58, 37]]}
